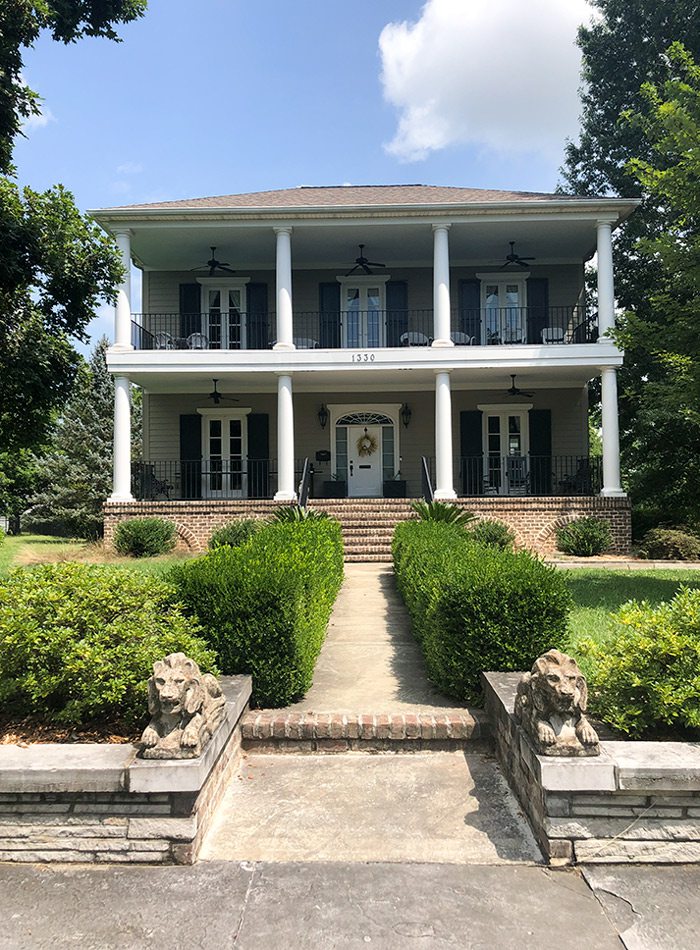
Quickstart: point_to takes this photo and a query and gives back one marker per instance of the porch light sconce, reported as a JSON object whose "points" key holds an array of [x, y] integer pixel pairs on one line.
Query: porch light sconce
{"points": [[406, 414], [323, 416]]}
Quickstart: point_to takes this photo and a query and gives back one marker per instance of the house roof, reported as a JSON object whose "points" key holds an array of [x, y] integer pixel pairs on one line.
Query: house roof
{"points": [[352, 196]]}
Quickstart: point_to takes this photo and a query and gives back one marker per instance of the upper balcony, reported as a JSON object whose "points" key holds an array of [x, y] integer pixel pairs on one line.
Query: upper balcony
{"points": [[364, 329]]}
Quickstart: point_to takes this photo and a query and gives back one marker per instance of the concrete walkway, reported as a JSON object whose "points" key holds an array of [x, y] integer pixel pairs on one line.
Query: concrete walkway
{"points": [[370, 660]]}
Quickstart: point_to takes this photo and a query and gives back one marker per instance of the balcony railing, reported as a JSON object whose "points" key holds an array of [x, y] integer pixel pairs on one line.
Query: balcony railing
{"points": [[170, 480], [528, 475], [364, 329]]}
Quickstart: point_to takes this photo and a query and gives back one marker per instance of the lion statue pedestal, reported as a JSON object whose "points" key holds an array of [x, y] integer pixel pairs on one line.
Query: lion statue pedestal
{"points": [[186, 707], [550, 706]]}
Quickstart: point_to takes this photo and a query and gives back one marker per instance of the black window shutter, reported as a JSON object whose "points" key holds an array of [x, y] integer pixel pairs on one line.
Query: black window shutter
{"points": [[190, 309], [191, 455], [471, 452], [537, 308], [396, 311], [540, 424], [258, 455], [329, 307], [258, 332], [470, 308]]}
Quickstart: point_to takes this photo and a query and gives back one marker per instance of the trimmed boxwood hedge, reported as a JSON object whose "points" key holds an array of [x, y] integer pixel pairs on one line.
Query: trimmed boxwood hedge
{"points": [[265, 606], [78, 642], [474, 607]]}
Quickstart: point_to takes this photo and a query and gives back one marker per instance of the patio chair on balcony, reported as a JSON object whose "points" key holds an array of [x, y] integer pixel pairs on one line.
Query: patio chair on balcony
{"points": [[306, 343], [459, 338], [414, 338], [552, 335], [164, 341], [197, 341]]}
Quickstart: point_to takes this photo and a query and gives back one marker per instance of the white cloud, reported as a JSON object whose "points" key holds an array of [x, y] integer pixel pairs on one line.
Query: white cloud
{"points": [[497, 74], [38, 121], [130, 168]]}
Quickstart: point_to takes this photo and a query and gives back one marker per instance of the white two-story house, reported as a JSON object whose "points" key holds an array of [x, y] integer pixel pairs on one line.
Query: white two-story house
{"points": [[391, 335]]}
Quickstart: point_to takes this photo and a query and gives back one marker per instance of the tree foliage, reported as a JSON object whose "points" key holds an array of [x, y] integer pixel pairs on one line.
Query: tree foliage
{"points": [[624, 48], [55, 265]]}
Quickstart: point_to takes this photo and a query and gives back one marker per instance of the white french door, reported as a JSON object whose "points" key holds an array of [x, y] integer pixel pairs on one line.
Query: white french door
{"points": [[225, 452], [224, 323], [505, 455], [504, 311], [363, 305]]}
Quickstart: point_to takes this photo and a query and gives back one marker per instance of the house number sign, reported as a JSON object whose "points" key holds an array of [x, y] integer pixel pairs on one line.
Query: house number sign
{"points": [[362, 358]]}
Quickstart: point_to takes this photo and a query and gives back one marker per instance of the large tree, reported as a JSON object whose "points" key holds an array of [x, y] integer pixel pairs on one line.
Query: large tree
{"points": [[624, 47], [77, 469], [55, 265]]}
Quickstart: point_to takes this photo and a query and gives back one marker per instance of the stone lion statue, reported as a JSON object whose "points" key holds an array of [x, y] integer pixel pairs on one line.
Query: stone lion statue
{"points": [[550, 706], [186, 706]]}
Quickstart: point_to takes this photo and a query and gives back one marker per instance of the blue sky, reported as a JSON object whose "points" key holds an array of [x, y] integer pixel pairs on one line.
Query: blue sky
{"points": [[223, 96]]}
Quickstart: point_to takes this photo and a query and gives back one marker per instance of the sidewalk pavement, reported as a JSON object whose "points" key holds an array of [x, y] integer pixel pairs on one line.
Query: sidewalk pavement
{"points": [[320, 906]]}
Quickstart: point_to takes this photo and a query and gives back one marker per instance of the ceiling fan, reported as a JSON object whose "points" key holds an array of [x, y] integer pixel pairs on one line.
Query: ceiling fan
{"points": [[363, 263], [514, 258], [514, 390], [213, 265], [216, 396]]}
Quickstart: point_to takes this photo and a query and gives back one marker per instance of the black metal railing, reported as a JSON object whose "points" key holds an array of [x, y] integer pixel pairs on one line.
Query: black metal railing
{"points": [[426, 480], [528, 475], [364, 329], [169, 480], [305, 483], [227, 330]]}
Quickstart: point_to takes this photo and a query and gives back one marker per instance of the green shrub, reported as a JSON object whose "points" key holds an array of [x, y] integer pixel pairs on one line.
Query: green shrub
{"points": [[493, 534], [670, 544], [291, 514], [476, 608], [584, 537], [144, 537], [235, 533], [442, 512], [78, 642], [265, 606], [646, 675]]}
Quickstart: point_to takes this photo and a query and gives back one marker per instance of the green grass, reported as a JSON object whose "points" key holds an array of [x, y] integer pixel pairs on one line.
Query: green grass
{"points": [[27, 550], [597, 593]]}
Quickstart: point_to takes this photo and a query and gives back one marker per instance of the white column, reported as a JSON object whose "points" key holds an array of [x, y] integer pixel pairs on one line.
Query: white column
{"points": [[285, 333], [444, 488], [122, 313], [286, 489], [606, 284], [611, 433], [441, 286], [121, 485]]}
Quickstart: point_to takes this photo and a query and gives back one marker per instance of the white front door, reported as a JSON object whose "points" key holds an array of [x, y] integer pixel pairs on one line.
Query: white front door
{"points": [[224, 451], [365, 476]]}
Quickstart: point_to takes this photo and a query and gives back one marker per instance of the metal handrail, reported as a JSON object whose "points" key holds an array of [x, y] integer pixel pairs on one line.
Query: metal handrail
{"points": [[426, 482], [305, 483]]}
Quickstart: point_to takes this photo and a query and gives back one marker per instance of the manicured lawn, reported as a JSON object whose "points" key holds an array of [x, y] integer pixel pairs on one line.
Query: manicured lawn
{"points": [[597, 593], [30, 549]]}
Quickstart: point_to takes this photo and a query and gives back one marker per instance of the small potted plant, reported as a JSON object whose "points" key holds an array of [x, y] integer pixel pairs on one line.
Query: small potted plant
{"points": [[336, 487], [395, 487]]}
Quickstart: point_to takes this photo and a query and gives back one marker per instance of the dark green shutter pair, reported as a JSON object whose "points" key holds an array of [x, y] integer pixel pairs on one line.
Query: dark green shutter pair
{"points": [[258, 465], [329, 313], [257, 314], [472, 451]]}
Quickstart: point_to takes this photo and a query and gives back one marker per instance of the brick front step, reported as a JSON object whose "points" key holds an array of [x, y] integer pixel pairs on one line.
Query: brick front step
{"points": [[277, 730]]}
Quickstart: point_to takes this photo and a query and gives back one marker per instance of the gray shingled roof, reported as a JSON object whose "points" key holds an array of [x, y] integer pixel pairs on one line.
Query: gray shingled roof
{"points": [[355, 195]]}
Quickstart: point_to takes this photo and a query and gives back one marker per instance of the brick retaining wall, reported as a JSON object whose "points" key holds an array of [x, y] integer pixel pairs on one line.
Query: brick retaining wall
{"points": [[534, 520]]}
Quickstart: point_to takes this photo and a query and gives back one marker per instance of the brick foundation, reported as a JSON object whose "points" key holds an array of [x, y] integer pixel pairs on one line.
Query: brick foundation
{"points": [[534, 520]]}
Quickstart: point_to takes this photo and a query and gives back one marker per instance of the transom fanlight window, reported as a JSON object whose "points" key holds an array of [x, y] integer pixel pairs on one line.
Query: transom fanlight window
{"points": [[365, 419]]}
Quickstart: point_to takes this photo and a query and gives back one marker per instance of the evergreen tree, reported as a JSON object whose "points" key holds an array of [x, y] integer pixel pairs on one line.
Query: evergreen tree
{"points": [[78, 468]]}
